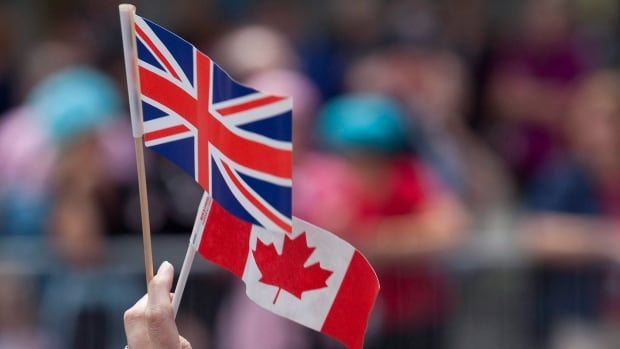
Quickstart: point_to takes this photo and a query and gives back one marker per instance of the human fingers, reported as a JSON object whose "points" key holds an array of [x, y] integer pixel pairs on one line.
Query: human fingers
{"points": [[136, 329], [162, 329]]}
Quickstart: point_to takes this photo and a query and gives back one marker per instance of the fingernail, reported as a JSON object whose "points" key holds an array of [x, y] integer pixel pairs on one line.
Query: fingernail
{"points": [[165, 265]]}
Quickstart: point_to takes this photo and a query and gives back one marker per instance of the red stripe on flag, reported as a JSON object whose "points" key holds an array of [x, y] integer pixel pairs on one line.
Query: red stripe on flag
{"points": [[165, 132], [279, 222], [225, 240], [205, 119], [249, 105], [251, 153], [348, 316], [142, 35], [170, 95]]}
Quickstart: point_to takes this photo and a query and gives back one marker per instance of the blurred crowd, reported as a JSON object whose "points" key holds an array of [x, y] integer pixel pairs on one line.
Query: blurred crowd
{"points": [[470, 149]]}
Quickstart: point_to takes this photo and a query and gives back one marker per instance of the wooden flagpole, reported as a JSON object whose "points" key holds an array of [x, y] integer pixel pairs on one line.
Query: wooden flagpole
{"points": [[127, 13], [194, 241]]}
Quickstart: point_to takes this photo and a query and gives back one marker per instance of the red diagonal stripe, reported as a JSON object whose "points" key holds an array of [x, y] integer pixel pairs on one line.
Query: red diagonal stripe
{"points": [[247, 152], [165, 132], [168, 94], [249, 105], [144, 37], [279, 222]]}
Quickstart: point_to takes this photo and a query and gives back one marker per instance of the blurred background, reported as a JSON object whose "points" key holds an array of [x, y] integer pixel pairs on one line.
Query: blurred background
{"points": [[470, 148]]}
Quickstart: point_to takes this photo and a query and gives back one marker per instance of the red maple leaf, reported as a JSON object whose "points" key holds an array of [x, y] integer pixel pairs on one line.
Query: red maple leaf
{"points": [[287, 271]]}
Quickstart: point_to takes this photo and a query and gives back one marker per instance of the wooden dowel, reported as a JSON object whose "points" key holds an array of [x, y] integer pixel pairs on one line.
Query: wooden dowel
{"points": [[127, 13], [144, 211]]}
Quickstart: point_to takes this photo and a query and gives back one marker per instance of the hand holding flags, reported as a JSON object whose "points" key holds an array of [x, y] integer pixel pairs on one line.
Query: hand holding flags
{"points": [[236, 143]]}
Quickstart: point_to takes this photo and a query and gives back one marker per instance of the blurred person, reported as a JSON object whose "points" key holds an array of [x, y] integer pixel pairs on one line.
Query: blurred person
{"points": [[574, 211], [326, 53], [251, 49], [61, 106], [19, 326], [388, 203], [25, 162], [434, 85], [62, 170], [82, 299], [73, 101], [532, 75], [25, 167], [58, 56]]}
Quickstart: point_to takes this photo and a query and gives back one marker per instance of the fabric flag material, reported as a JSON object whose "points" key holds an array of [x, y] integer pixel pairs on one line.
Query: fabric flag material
{"points": [[309, 276], [233, 140]]}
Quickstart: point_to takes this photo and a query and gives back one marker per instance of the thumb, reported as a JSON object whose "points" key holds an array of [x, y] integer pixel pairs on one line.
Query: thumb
{"points": [[162, 330]]}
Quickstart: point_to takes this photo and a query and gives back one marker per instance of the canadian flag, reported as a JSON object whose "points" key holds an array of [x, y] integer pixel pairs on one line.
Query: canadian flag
{"points": [[309, 276]]}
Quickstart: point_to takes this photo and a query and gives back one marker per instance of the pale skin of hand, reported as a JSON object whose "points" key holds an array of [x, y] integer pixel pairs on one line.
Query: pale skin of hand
{"points": [[149, 324]]}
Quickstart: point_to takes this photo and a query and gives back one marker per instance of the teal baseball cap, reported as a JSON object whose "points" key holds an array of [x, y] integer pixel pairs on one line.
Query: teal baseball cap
{"points": [[74, 101], [363, 123]]}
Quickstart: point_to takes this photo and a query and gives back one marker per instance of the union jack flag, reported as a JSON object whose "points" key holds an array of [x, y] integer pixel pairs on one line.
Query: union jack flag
{"points": [[235, 141]]}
